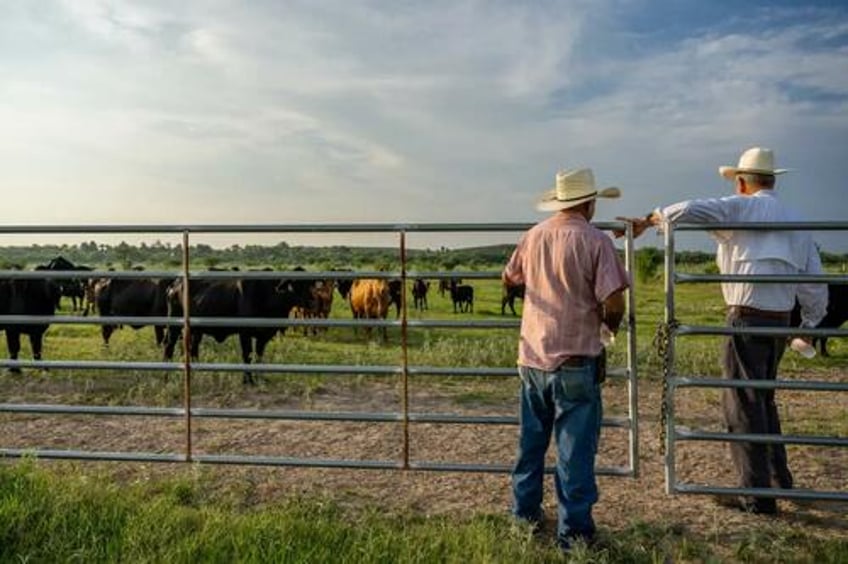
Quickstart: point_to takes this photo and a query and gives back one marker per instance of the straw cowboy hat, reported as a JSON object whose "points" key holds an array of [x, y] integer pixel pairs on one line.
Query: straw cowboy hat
{"points": [[756, 160], [573, 187]]}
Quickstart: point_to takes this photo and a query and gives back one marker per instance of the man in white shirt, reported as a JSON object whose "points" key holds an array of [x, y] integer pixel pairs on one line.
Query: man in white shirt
{"points": [[751, 304]]}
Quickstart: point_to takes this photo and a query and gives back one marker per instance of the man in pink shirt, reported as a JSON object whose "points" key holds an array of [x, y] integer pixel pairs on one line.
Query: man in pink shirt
{"points": [[574, 284]]}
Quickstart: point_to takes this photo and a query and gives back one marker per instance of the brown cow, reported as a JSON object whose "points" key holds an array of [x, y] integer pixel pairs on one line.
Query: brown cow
{"points": [[319, 304], [370, 299]]}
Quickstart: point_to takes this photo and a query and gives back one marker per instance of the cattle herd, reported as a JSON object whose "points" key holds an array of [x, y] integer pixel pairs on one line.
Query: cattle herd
{"points": [[233, 297], [267, 296]]}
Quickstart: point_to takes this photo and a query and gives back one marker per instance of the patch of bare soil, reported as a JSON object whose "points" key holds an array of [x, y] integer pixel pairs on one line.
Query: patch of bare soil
{"points": [[623, 500]]}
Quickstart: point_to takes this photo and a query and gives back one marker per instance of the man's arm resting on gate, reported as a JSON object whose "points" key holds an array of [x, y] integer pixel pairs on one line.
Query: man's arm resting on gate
{"points": [[613, 310]]}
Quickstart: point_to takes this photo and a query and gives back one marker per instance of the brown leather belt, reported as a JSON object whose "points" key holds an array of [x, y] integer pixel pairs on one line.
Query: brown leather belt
{"points": [[748, 311], [577, 360]]}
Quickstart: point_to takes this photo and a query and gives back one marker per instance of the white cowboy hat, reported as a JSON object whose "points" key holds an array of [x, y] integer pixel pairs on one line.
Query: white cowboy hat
{"points": [[757, 160], [573, 187]]}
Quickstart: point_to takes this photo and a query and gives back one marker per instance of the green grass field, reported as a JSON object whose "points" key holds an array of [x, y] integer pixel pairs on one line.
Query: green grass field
{"points": [[110, 512]]}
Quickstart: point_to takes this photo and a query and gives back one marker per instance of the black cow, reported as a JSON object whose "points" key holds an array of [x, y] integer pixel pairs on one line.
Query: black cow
{"points": [[445, 285], [837, 313], [343, 285], [419, 293], [132, 298], [509, 295], [73, 288], [27, 297], [395, 289], [235, 298], [462, 295]]}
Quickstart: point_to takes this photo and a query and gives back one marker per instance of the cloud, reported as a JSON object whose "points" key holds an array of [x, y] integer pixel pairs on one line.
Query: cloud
{"points": [[368, 111]]}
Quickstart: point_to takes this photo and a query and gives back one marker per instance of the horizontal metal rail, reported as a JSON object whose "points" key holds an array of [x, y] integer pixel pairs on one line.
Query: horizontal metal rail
{"points": [[760, 331], [506, 468], [267, 228], [291, 415], [91, 365], [765, 226], [804, 385], [250, 460], [253, 322], [507, 372], [91, 455], [205, 367], [807, 440], [763, 492], [284, 228], [243, 274], [763, 278], [270, 368], [54, 409]]}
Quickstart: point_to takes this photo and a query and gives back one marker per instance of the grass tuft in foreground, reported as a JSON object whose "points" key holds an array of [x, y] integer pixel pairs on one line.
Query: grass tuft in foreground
{"points": [[54, 515]]}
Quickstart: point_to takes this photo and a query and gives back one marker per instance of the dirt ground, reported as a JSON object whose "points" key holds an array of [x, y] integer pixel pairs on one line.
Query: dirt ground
{"points": [[623, 500]]}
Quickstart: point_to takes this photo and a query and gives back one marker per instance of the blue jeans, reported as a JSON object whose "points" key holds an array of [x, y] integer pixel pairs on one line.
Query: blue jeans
{"points": [[567, 402]]}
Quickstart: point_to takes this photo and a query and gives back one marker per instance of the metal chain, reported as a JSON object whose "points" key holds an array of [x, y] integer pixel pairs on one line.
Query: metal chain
{"points": [[662, 339]]}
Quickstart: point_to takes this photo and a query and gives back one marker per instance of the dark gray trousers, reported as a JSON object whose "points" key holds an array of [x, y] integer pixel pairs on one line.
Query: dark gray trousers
{"points": [[746, 410]]}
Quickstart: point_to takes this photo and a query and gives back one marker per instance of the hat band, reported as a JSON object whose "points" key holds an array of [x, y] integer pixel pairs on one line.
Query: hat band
{"points": [[595, 193]]}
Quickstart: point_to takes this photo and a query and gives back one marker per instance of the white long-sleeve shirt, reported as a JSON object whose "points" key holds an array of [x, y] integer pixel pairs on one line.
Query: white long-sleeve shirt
{"points": [[759, 252]]}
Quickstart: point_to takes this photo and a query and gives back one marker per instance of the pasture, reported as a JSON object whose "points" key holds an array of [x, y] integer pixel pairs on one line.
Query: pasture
{"points": [[376, 515]]}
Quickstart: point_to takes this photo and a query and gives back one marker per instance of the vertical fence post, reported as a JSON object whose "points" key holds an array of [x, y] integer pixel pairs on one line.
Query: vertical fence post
{"points": [[668, 372], [632, 375], [186, 347], [404, 343]]}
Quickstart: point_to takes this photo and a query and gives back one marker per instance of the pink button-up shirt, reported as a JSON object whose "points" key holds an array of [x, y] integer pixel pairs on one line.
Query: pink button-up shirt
{"points": [[569, 268]]}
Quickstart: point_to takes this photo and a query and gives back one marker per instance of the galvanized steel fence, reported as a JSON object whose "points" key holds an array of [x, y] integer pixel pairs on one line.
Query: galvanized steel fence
{"points": [[404, 370], [674, 328]]}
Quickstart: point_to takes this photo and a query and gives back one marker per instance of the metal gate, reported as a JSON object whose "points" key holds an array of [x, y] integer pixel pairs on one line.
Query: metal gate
{"points": [[674, 328], [404, 371]]}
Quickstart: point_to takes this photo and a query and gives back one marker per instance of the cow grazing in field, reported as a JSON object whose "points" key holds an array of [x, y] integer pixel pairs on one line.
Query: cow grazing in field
{"points": [[244, 298], [462, 295], [419, 293], [508, 296], [445, 285], [73, 288], [837, 314], [124, 297], [369, 299], [27, 297]]}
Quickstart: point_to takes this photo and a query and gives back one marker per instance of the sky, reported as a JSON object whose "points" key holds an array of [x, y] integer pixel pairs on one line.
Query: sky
{"points": [[343, 111]]}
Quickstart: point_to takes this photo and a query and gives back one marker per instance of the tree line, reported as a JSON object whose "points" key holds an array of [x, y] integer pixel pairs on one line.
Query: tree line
{"points": [[125, 256]]}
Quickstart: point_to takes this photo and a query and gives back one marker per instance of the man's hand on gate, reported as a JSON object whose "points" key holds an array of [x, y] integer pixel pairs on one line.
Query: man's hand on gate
{"points": [[640, 224]]}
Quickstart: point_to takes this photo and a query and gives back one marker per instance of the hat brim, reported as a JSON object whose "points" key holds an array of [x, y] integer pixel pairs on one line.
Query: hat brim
{"points": [[729, 172], [548, 201]]}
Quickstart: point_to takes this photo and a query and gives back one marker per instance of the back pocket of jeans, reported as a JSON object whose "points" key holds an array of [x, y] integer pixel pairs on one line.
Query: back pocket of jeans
{"points": [[577, 385]]}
